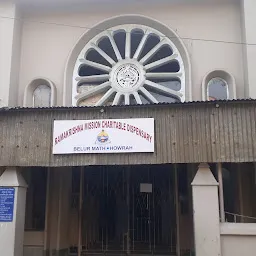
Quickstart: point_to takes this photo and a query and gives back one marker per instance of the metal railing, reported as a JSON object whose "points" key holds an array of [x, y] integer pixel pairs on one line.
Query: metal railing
{"points": [[238, 218]]}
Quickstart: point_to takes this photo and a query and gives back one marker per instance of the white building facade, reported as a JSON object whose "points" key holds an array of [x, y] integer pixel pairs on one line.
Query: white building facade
{"points": [[112, 53], [41, 43]]}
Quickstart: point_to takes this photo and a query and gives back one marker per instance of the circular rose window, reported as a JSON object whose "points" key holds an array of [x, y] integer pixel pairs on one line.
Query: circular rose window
{"points": [[129, 64]]}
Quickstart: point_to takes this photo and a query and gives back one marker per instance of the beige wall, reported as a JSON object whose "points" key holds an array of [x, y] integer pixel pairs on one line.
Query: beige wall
{"points": [[10, 44], [238, 239], [47, 37], [248, 8], [34, 238], [45, 47]]}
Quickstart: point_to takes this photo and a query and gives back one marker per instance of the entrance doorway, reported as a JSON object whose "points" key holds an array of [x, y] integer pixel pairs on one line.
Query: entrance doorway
{"points": [[128, 210]]}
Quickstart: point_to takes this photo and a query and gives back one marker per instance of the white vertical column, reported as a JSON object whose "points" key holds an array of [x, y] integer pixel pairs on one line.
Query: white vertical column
{"points": [[248, 8], [10, 44], [221, 193], [12, 212], [206, 213]]}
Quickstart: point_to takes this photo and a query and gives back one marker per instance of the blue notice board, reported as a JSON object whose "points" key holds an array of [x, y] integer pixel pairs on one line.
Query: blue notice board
{"points": [[6, 204]]}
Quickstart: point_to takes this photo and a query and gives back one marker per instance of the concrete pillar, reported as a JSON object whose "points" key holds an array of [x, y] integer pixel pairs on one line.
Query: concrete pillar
{"points": [[248, 8], [206, 213], [12, 212], [10, 45]]}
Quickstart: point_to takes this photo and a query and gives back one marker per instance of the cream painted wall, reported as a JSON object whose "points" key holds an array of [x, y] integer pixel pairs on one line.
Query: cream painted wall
{"points": [[248, 8], [10, 44], [238, 239], [45, 46], [34, 238], [238, 245]]}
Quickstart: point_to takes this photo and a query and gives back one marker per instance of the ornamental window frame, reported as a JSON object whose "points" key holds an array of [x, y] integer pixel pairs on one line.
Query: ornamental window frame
{"points": [[221, 80], [129, 76], [29, 97], [120, 21], [225, 77]]}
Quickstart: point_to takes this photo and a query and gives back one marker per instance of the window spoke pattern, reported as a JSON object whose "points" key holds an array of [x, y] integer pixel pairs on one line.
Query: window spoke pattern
{"points": [[129, 64]]}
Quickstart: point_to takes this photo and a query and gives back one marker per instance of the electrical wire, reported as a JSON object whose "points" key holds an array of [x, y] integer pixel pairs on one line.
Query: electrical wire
{"points": [[109, 30]]}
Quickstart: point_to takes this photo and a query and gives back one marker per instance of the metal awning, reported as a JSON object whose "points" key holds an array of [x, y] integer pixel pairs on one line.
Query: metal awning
{"points": [[192, 132]]}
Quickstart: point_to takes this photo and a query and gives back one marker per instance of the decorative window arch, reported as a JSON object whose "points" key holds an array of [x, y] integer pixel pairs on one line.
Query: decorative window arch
{"points": [[119, 62], [218, 85], [40, 93]]}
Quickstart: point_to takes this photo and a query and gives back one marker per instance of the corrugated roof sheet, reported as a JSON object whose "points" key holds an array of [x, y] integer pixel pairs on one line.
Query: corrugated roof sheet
{"points": [[132, 106], [194, 132]]}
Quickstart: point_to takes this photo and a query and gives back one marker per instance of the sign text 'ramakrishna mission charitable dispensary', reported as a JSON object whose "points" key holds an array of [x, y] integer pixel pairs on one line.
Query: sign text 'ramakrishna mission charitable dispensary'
{"points": [[103, 136]]}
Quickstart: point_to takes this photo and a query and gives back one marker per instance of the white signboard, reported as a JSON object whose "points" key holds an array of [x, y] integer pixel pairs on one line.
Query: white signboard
{"points": [[103, 136]]}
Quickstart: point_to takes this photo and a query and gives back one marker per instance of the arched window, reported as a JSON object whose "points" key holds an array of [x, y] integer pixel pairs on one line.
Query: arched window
{"points": [[40, 93], [217, 89], [124, 64], [218, 85], [42, 96]]}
